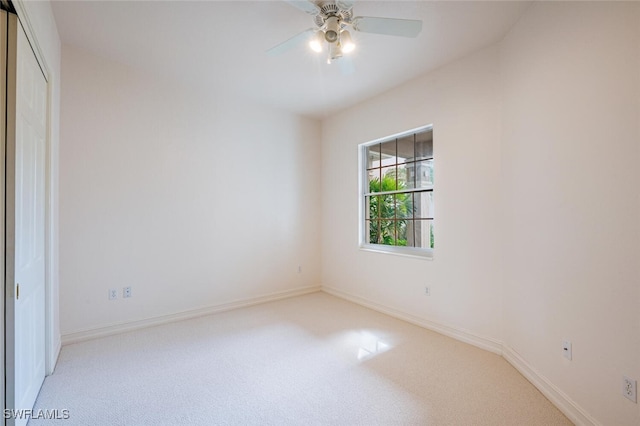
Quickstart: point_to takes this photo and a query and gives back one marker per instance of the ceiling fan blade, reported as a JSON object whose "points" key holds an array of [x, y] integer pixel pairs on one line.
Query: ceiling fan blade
{"points": [[387, 26], [291, 43], [344, 4], [305, 6]]}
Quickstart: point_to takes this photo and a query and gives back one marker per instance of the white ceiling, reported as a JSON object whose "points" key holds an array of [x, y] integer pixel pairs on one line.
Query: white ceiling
{"points": [[220, 46]]}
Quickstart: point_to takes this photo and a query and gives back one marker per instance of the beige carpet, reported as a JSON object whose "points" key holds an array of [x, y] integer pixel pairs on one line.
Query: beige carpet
{"points": [[309, 360]]}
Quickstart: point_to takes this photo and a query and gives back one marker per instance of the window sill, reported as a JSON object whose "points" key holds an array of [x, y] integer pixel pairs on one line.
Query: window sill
{"points": [[416, 253]]}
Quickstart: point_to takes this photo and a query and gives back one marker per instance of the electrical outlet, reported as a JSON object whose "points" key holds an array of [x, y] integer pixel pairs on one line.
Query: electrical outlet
{"points": [[113, 294], [566, 349], [126, 292], [427, 291], [629, 387]]}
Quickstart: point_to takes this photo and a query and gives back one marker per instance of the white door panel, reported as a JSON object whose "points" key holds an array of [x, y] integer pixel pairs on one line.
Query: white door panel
{"points": [[25, 219]]}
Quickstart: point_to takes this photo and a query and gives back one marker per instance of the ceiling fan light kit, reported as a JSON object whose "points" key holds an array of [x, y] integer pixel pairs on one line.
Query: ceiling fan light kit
{"points": [[346, 42], [331, 29], [335, 52], [315, 43], [332, 18]]}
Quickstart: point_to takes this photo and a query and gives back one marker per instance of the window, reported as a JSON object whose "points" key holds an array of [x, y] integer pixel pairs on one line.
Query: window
{"points": [[396, 187]]}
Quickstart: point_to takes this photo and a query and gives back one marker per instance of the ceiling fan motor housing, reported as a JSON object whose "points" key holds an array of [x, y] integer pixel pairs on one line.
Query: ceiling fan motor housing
{"points": [[332, 29], [328, 10]]}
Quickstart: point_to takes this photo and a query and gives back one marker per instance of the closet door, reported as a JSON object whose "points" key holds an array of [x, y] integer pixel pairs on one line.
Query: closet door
{"points": [[25, 222]]}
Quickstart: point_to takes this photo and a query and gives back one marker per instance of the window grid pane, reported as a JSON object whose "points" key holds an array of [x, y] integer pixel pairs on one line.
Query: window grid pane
{"points": [[373, 156], [401, 218]]}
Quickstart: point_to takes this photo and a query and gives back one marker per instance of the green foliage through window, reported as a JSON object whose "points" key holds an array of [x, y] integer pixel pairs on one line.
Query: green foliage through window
{"points": [[389, 212]]}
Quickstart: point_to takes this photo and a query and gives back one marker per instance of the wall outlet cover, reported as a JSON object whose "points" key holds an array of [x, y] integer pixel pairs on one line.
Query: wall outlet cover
{"points": [[566, 349], [629, 389]]}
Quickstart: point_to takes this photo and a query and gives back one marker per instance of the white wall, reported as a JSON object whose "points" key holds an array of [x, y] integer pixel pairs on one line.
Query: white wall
{"points": [[537, 143], [192, 202], [462, 102], [570, 151]]}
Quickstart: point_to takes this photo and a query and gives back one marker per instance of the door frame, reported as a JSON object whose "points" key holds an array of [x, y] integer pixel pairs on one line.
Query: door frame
{"points": [[52, 335]]}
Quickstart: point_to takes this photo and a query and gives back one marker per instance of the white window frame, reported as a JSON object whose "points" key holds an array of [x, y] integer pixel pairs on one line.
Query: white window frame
{"points": [[363, 185]]}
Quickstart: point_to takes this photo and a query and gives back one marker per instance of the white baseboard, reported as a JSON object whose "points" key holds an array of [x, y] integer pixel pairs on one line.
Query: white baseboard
{"points": [[53, 360], [569, 408], [566, 405], [117, 328], [482, 342]]}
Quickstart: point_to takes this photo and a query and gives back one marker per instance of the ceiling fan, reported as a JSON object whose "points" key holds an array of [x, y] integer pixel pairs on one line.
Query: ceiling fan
{"points": [[333, 19]]}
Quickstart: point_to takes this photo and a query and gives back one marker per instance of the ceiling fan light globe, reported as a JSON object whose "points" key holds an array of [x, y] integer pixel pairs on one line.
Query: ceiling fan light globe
{"points": [[331, 36], [346, 42], [315, 43], [315, 46]]}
